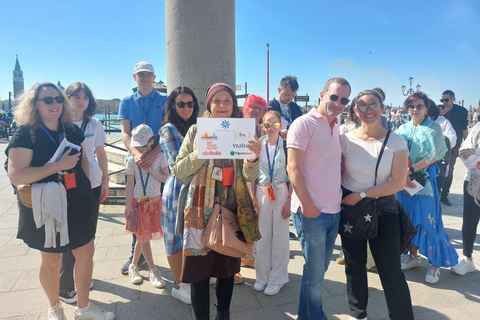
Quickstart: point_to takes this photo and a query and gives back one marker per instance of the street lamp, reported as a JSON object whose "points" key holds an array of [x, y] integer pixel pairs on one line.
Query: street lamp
{"points": [[410, 90]]}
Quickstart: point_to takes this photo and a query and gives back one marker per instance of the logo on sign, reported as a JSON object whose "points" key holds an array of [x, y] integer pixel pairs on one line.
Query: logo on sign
{"points": [[242, 136]]}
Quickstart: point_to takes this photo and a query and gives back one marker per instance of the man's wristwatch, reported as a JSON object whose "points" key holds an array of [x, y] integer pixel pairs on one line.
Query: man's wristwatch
{"points": [[411, 169], [363, 195]]}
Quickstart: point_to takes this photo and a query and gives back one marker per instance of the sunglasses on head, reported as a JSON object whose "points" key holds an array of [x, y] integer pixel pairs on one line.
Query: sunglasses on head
{"points": [[444, 100], [274, 125], [334, 98], [182, 105], [418, 107], [374, 106], [49, 100]]}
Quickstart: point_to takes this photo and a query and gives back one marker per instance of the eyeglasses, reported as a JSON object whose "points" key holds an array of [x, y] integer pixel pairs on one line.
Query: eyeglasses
{"points": [[274, 125], [49, 100], [182, 104], [374, 106], [256, 108], [418, 107], [444, 100], [334, 98]]}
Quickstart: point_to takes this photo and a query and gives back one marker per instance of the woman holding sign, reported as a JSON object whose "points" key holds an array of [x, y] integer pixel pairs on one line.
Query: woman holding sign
{"points": [[227, 187], [45, 118]]}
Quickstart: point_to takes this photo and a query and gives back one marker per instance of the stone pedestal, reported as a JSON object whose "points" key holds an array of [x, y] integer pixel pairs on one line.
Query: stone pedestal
{"points": [[200, 44]]}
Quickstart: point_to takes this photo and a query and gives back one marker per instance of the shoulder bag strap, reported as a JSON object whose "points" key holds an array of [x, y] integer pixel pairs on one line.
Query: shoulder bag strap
{"points": [[380, 155]]}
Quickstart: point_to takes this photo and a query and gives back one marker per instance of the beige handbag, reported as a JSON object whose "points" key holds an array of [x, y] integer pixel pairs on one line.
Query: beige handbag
{"points": [[222, 234], [25, 194]]}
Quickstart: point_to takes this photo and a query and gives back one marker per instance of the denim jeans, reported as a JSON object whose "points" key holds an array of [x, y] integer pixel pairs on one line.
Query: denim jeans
{"points": [[317, 238]]}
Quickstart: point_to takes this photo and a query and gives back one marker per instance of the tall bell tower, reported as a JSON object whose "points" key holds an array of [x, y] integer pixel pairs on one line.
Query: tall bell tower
{"points": [[18, 83]]}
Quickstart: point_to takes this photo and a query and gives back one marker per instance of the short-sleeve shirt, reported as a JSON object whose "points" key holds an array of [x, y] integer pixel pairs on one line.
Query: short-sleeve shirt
{"points": [[94, 137], [360, 160], [153, 185], [458, 117], [148, 110], [313, 134]]}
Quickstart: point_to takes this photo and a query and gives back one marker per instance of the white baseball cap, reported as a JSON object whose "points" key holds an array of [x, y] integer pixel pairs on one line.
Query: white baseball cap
{"points": [[143, 66]]}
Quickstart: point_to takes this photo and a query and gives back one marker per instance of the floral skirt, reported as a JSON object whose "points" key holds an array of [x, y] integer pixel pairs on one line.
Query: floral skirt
{"points": [[426, 214]]}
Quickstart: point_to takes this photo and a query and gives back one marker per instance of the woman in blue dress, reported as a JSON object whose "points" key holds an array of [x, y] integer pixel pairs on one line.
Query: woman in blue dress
{"points": [[181, 111], [426, 145]]}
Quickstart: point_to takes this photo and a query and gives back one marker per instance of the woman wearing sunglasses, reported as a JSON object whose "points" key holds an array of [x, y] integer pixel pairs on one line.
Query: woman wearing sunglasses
{"points": [[45, 116], [231, 191], [360, 152], [426, 145], [181, 112]]}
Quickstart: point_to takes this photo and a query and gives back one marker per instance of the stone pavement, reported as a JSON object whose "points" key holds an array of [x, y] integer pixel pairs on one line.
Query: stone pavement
{"points": [[21, 296]]}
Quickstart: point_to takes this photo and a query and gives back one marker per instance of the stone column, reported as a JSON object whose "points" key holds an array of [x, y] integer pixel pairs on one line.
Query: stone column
{"points": [[200, 44]]}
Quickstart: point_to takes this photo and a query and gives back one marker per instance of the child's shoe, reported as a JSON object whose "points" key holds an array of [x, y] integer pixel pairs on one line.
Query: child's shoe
{"points": [[156, 278], [134, 275], [92, 312], [182, 293]]}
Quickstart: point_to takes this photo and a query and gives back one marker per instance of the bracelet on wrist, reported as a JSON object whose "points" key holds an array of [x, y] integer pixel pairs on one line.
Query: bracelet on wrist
{"points": [[105, 178]]}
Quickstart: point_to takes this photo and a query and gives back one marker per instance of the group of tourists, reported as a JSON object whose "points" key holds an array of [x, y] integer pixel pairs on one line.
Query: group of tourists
{"points": [[304, 168]]}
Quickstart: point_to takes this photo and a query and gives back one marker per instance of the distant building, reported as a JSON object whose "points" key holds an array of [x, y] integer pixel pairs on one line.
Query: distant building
{"points": [[18, 82], [159, 86]]}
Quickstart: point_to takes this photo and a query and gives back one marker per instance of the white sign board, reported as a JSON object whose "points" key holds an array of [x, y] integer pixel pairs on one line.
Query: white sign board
{"points": [[224, 138]]}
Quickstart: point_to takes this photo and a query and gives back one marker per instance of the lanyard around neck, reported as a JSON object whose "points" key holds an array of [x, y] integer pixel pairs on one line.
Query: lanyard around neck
{"points": [[271, 166], [144, 184], [51, 138]]}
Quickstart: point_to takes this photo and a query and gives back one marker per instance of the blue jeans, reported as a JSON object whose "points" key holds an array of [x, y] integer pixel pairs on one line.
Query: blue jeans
{"points": [[317, 238]]}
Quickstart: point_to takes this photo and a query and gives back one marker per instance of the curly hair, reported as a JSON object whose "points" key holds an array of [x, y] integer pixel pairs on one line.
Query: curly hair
{"points": [[27, 115], [77, 87], [170, 113]]}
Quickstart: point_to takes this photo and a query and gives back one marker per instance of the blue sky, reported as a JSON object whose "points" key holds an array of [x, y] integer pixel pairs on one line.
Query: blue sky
{"points": [[370, 43]]}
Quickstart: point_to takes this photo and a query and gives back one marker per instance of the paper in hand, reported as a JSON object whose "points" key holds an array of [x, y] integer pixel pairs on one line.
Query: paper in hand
{"points": [[64, 145], [414, 191]]}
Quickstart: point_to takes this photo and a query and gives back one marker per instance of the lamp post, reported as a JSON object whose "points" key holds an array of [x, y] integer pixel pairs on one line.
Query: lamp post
{"points": [[410, 90], [268, 71]]}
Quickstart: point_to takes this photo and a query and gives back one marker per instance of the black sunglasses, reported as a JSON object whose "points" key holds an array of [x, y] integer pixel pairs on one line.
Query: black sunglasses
{"points": [[418, 107], [444, 100], [334, 98], [182, 105], [49, 100]]}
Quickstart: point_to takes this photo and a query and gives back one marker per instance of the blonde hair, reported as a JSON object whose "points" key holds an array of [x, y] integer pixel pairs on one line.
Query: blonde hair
{"points": [[272, 113], [27, 115]]}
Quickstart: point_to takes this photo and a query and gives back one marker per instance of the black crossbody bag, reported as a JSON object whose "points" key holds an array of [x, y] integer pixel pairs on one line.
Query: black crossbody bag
{"points": [[361, 220]]}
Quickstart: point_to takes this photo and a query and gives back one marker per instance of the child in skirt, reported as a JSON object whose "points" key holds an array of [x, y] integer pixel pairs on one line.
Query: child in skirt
{"points": [[273, 198], [144, 204]]}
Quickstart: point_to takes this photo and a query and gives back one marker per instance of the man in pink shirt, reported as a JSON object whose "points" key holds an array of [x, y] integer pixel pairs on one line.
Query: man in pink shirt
{"points": [[314, 157]]}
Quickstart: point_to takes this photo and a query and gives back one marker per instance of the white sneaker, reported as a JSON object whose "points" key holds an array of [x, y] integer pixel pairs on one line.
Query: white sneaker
{"points": [[353, 318], [259, 286], [134, 275], [182, 293], [272, 289], [56, 312], [433, 274], [156, 278], [464, 266], [411, 262], [93, 313]]}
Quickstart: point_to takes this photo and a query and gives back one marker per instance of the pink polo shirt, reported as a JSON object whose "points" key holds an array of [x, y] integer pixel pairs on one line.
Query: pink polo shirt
{"points": [[321, 166]]}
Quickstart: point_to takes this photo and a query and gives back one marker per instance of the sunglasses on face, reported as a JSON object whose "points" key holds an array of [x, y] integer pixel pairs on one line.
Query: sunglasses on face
{"points": [[334, 98], [49, 100], [274, 125], [418, 107], [444, 100], [182, 104], [374, 106]]}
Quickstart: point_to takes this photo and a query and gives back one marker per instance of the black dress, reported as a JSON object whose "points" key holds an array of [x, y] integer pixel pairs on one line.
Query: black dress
{"points": [[81, 220]]}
